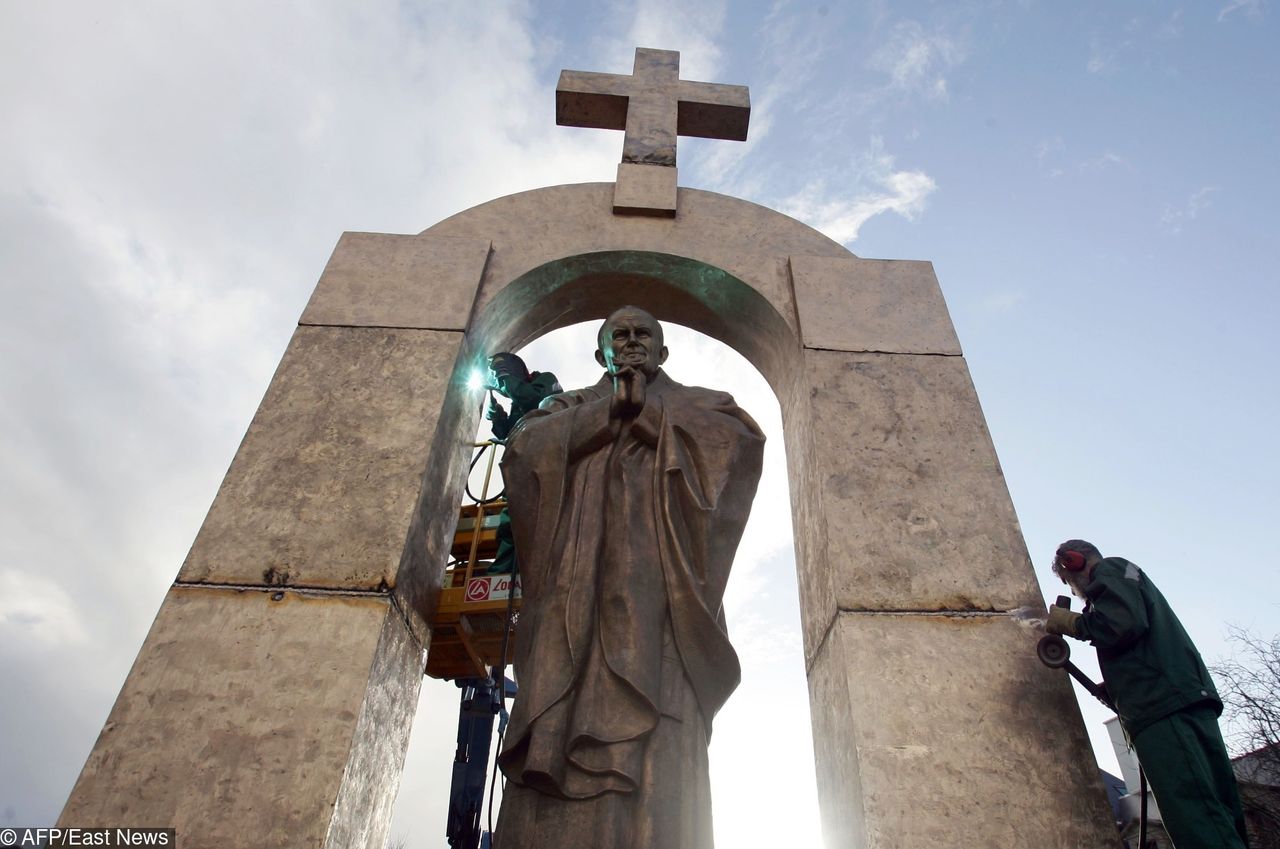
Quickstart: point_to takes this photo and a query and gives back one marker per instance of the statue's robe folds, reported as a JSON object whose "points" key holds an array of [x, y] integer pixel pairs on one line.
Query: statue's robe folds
{"points": [[625, 533]]}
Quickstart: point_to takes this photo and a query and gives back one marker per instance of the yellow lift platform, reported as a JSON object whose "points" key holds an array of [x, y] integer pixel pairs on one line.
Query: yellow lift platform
{"points": [[475, 608]]}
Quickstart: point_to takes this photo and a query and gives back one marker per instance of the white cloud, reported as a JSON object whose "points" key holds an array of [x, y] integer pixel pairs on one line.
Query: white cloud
{"points": [[917, 61], [1252, 8], [882, 188], [1104, 57], [35, 608], [1171, 27], [1174, 218], [719, 165], [1047, 146], [1099, 60], [1105, 160], [789, 50], [1002, 301], [691, 29], [1047, 151]]}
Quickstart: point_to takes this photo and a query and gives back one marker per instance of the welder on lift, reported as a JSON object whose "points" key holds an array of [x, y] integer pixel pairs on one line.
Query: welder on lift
{"points": [[1162, 691], [511, 378]]}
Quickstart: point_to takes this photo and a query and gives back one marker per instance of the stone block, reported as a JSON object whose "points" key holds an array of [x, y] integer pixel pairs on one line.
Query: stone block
{"points": [[590, 99], [713, 110], [917, 513], [245, 717], [385, 280], [806, 470], [835, 753], [325, 485], [645, 190], [851, 304], [947, 731], [363, 808]]}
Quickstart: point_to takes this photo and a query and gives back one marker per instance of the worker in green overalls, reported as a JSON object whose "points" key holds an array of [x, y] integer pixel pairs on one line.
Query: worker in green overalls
{"points": [[511, 378], [1162, 691]]}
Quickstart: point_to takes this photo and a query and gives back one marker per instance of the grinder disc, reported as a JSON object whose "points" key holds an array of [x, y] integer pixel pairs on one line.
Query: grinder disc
{"points": [[1053, 651]]}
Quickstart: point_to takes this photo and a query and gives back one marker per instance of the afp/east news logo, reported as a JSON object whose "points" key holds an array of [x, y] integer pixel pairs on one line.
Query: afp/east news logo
{"points": [[51, 837]]}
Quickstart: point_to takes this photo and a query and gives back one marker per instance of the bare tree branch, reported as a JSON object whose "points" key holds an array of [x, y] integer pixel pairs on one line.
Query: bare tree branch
{"points": [[1249, 683]]}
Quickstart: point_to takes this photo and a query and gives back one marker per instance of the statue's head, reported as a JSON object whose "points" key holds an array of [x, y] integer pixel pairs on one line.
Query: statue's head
{"points": [[631, 337]]}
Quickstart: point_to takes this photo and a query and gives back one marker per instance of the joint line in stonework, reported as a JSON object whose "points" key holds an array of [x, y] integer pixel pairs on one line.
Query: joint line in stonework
{"points": [[883, 353], [921, 611], [341, 326], [902, 612], [280, 588]]}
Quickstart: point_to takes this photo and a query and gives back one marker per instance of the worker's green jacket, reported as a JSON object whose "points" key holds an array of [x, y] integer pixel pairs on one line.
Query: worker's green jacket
{"points": [[1149, 664], [525, 396]]}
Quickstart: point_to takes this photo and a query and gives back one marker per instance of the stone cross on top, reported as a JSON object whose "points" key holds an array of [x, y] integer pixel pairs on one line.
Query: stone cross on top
{"points": [[653, 105]]}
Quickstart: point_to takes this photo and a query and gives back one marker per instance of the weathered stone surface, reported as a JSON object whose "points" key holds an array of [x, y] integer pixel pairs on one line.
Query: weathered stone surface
{"points": [[383, 280], [645, 190], [918, 515], [242, 714], [324, 487], [851, 304], [593, 99], [806, 464], [652, 109], [831, 713], [713, 110], [947, 731], [362, 811]]}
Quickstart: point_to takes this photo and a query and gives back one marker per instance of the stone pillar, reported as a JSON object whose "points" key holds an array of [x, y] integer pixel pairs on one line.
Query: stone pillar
{"points": [[271, 702], [935, 724]]}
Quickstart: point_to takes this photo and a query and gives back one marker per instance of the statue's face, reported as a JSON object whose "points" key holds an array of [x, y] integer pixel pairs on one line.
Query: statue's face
{"points": [[632, 338]]}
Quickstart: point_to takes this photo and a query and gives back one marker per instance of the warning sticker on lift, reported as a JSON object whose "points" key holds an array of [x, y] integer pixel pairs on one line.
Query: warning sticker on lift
{"points": [[491, 588]]}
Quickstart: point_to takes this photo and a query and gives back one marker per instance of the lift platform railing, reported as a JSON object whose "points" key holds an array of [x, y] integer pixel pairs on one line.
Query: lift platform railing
{"points": [[475, 610]]}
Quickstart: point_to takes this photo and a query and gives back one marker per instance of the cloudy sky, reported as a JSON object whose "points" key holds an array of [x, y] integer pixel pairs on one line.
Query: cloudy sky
{"points": [[1095, 184]]}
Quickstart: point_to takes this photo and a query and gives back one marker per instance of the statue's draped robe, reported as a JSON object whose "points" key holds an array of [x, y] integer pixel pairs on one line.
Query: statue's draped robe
{"points": [[625, 534]]}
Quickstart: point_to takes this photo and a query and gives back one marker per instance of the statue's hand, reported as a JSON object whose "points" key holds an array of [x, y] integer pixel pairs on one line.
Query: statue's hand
{"points": [[628, 393]]}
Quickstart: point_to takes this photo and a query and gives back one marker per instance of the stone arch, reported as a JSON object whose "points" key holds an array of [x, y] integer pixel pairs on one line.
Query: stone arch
{"points": [[588, 286], [294, 633]]}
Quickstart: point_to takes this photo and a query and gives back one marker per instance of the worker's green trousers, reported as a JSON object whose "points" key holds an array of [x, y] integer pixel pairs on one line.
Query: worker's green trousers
{"points": [[505, 560], [1190, 774]]}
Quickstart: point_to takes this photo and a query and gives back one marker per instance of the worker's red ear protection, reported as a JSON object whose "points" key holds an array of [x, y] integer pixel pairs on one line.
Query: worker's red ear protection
{"points": [[1072, 561]]}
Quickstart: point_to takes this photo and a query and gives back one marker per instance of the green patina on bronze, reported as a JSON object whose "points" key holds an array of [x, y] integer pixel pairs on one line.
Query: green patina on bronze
{"points": [[721, 292]]}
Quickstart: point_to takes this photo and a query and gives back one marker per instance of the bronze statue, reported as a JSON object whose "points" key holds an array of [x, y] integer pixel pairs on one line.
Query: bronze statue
{"points": [[628, 499]]}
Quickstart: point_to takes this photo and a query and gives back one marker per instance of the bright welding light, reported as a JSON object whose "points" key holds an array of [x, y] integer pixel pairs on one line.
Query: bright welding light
{"points": [[476, 380]]}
